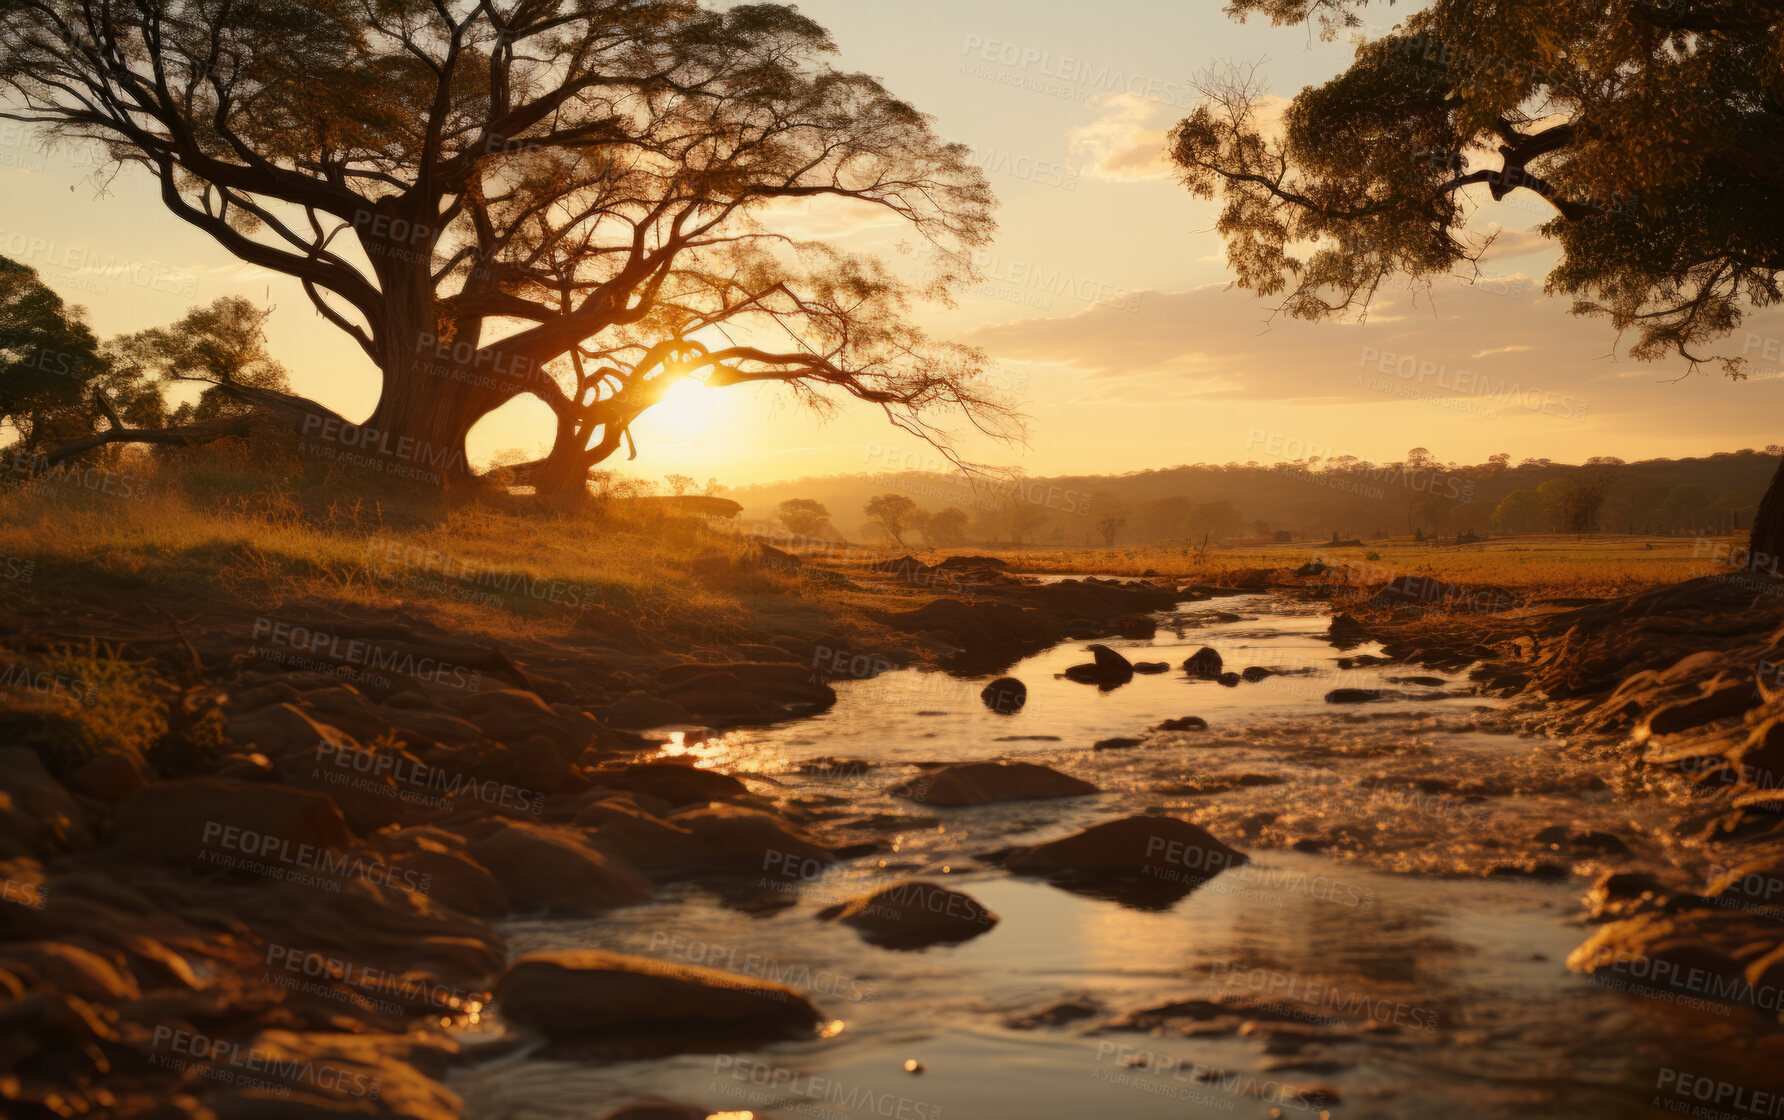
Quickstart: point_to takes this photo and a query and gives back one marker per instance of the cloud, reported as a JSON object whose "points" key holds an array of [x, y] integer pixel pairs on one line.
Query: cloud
{"points": [[1217, 343], [1127, 143]]}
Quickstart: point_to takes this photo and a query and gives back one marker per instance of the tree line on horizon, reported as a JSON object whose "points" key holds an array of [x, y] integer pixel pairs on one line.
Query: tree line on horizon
{"points": [[1290, 501]]}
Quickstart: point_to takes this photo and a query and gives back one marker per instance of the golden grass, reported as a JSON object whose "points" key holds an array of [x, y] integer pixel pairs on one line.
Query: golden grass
{"points": [[1558, 565], [494, 565]]}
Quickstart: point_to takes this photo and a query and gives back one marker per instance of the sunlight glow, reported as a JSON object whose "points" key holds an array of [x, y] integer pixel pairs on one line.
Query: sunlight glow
{"points": [[688, 410]]}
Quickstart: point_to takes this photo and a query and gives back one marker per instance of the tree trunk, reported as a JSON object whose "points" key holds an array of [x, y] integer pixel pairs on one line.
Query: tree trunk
{"points": [[1766, 542], [427, 409]]}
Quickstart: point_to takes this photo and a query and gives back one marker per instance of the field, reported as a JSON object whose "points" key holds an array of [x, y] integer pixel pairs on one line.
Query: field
{"points": [[1601, 564]]}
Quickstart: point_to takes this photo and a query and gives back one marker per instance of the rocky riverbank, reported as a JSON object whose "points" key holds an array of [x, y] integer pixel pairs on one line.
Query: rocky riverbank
{"points": [[253, 867], [251, 860]]}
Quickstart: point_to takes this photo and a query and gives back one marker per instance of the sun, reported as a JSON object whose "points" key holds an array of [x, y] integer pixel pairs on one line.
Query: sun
{"points": [[687, 411]]}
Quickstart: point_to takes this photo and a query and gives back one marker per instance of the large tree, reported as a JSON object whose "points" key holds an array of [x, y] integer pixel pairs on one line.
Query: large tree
{"points": [[530, 196], [1653, 128]]}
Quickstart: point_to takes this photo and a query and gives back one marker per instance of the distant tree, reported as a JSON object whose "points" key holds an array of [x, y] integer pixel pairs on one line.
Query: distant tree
{"points": [[679, 484], [947, 528], [1111, 516], [1685, 505], [48, 358], [714, 488], [893, 514], [1520, 511], [222, 346], [803, 517]]}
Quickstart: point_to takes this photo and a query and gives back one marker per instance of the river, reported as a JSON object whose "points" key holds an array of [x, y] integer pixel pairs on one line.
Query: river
{"points": [[1394, 948]]}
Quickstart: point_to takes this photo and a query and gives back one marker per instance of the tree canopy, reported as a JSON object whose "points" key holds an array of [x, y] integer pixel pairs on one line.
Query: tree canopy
{"points": [[1653, 128]]}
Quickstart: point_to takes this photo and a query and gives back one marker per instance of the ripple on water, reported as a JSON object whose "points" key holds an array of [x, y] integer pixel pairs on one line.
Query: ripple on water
{"points": [[1395, 944]]}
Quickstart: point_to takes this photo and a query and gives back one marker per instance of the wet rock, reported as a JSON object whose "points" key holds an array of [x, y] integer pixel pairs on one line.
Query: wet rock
{"points": [[1346, 632], [1143, 861], [674, 783], [1422, 682], [592, 992], [1136, 626], [187, 820], [1203, 664], [454, 876], [913, 913], [1005, 695], [543, 867], [1109, 669], [982, 783], [1150, 667], [1255, 673], [638, 710], [735, 838], [745, 692], [1228, 680], [1183, 723], [1358, 695], [1119, 743]]}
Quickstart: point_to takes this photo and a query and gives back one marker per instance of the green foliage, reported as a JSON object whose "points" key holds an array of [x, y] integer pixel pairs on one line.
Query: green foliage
{"points": [[1651, 129]]}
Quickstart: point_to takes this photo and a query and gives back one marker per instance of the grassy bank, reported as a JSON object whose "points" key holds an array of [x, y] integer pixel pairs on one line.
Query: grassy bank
{"points": [[1602, 564]]}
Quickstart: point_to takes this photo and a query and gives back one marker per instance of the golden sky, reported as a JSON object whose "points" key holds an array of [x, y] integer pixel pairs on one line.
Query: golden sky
{"points": [[1105, 305]]}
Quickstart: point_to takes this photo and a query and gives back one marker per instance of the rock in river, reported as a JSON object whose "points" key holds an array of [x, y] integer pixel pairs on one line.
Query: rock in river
{"points": [[1109, 669], [1204, 664], [1005, 695], [913, 913], [1183, 723], [982, 783], [585, 992], [1142, 861]]}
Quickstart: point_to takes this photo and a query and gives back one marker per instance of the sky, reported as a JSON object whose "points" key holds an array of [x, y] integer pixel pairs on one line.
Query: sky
{"points": [[1106, 307]]}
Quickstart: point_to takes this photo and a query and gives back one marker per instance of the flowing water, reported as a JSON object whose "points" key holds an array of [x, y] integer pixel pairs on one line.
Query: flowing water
{"points": [[1394, 948]]}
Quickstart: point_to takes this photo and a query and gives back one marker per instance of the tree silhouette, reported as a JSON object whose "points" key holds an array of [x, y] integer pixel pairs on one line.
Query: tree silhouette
{"points": [[547, 198], [804, 517], [893, 513], [1651, 129]]}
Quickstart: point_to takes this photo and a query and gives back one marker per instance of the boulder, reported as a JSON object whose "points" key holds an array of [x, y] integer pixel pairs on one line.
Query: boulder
{"points": [[281, 730], [1359, 695], [913, 913], [1183, 723], [983, 783], [1150, 667], [1153, 847], [638, 710], [735, 838], [585, 992], [1005, 695], [674, 783], [1119, 743], [745, 692], [1109, 668], [1227, 680], [189, 820], [542, 867], [1203, 664]]}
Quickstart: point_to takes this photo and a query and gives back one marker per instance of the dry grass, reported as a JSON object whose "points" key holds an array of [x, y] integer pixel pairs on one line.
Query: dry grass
{"points": [[239, 534], [1605, 564]]}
